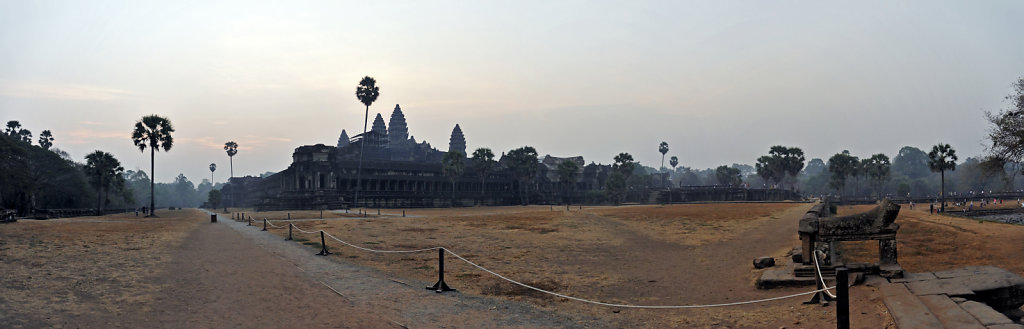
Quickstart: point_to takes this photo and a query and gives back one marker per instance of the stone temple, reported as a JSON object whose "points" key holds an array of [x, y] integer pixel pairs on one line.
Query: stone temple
{"points": [[399, 171]]}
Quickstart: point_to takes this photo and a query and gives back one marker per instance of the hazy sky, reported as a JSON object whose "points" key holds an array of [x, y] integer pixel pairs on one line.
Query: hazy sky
{"points": [[720, 81]]}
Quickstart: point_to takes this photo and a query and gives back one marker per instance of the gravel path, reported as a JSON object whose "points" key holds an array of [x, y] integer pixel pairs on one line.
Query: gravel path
{"points": [[281, 282]]}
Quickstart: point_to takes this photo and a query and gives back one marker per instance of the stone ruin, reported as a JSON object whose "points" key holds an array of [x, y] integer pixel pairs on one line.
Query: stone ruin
{"points": [[819, 229]]}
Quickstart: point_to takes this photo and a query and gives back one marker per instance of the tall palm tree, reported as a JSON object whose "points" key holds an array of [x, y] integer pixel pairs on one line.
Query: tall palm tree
{"points": [[213, 167], [231, 148], [153, 131], [673, 161], [483, 159], [453, 167], [367, 93], [663, 148], [942, 158]]}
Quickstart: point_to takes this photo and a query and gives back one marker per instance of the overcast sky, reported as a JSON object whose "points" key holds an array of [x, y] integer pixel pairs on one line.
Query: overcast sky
{"points": [[720, 81]]}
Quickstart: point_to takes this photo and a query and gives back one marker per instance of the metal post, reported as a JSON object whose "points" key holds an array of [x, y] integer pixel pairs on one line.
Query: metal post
{"points": [[250, 220], [378, 211], [289, 216], [321, 214], [403, 213], [323, 244], [264, 224], [842, 299], [213, 218], [440, 286], [289, 231]]}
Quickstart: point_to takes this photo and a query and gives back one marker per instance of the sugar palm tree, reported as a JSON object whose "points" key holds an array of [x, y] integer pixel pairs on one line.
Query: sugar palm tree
{"points": [[46, 139], [942, 158], [231, 148], [213, 167], [663, 148], [153, 131], [367, 93]]}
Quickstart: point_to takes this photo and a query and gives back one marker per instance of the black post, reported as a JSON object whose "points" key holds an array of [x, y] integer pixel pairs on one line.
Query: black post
{"points": [[403, 213], [323, 244], [378, 211], [321, 214], [440, 286], [213, 218], [289, 231], [842, 299], [264, 224], [289, 216]]}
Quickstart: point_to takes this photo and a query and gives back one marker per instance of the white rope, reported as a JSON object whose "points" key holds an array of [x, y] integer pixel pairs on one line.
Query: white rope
{"points": [[818, 269], [303, 231], [272, 224], [627, 305], [381, 251]]}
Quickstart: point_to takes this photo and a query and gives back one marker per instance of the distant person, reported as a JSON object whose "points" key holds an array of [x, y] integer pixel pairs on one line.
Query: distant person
{"points": [[931, 208]]}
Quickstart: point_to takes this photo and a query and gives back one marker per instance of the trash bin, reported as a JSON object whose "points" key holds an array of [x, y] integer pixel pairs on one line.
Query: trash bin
{"points": [[213, 218]]}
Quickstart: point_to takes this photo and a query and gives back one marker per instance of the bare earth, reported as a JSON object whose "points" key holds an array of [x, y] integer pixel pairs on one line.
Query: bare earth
{"points": [[181, 271]]}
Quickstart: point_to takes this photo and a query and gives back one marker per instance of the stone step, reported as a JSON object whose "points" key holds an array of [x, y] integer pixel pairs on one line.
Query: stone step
{"points": [[907, 310], [985, 314], [949, 313]]}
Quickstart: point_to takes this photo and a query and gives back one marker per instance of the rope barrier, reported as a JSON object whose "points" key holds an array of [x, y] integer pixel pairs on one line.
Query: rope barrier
{"points": [[272, 224], [632, 306], [818, 269], [825, 289], [380, 251]]}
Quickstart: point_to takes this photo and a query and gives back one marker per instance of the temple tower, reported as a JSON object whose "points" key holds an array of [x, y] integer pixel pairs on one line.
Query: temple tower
{"points": [[398, 135], [343, 139], [457, 143]]}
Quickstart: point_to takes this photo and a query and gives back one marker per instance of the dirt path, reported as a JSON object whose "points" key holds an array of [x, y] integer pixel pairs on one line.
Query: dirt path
{"points": [[232, 275], [217, 279]]}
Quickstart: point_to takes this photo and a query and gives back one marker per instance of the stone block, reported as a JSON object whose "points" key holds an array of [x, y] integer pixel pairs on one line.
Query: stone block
{"points": [[985, 314], [762, 262]]}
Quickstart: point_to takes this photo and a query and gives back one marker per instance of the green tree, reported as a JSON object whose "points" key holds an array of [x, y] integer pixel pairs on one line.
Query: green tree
{"points": [[673, 161], [367, 93], [877, 167], [728, 176], [453, 167], [622, 169], [483, 161], [12, 129], [567, 172], [104, 172], [911, 162], [522, 162], [840, 167], [1007, 132], [213, 198], [153, 131], [941, 158], [46, 139], [663, 148]]}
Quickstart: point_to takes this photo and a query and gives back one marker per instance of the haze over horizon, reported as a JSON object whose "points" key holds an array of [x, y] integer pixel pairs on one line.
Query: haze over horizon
{"points": [[720, 82]]}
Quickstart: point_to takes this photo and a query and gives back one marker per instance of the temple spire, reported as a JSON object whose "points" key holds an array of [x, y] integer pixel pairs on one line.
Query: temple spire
{"points": [[457, 143], [343, 139]]}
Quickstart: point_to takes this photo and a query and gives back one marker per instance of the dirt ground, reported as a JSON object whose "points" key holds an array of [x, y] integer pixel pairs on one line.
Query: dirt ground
{"points": [[647, 255], [121, 271]]}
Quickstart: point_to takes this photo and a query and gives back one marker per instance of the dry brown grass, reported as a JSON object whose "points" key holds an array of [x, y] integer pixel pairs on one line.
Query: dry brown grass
{"points": [[632, 254], [77, 268]]}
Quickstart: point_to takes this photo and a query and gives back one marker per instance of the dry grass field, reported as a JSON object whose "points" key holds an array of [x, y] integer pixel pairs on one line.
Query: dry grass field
{"points": [[85, 271], [647, 255], [98, 270]]}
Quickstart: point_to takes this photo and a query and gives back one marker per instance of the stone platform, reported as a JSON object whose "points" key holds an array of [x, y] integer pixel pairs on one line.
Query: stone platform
{"points": [[970, 297]]}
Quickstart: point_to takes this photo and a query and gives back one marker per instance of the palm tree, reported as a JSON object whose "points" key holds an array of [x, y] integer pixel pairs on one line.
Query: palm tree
{"points": [[483, 159], [453, 167], [663, 148], [104, 171], [937, 162], [367, 93], [673, 161], [46, 139], [213, 167], [567, 170], [153, 131], [232, 148]]}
